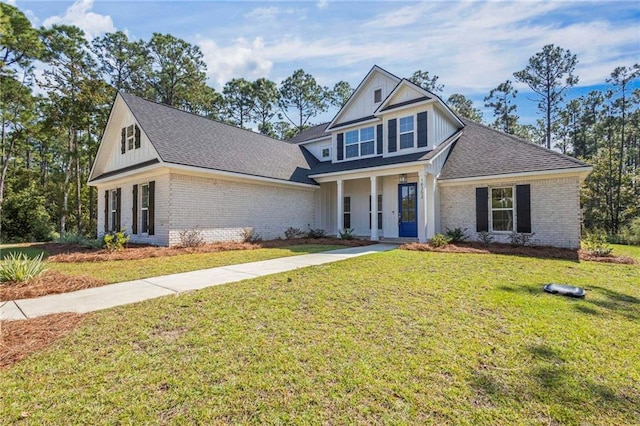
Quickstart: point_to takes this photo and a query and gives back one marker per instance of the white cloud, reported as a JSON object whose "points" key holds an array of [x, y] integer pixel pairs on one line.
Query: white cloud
{"points": [[322, 4], [80, 15], [263, 13], [240, 59]]}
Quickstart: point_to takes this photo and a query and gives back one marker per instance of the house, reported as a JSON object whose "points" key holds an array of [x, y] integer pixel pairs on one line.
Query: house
{"points": [[395, 162]]}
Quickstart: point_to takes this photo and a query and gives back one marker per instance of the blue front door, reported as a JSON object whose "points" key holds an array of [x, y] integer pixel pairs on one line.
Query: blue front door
{"points": [[408, 210]]}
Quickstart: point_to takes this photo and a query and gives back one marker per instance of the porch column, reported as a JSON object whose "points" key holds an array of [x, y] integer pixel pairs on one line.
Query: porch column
{"points": [[431, 205], [374, 208], [340, 209], [422, 206]]}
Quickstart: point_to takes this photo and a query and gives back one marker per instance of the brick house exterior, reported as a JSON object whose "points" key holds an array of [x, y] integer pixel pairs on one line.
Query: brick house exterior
{"points": [[395, 162]]}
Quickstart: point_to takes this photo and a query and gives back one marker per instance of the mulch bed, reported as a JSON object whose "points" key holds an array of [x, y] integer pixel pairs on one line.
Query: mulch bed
{"points": [[23, 337], [69, 253], [542, 252], [51, 282]]}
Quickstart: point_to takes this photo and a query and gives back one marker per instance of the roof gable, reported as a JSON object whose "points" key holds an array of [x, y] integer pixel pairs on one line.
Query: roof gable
{"points": [[361, 102], [405, 93], [187, 139]]}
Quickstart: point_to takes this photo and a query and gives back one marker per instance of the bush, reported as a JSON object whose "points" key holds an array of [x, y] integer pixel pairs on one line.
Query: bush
{"points": [[485, 237], [191, 238], [115, 241], [630, 234], [25, 217], [521, 238], [292, 232], [72, 238], [457, 235], [596, 244], [250, 236], [19, 268], [439, 240], [346, 234], [315, 233]]}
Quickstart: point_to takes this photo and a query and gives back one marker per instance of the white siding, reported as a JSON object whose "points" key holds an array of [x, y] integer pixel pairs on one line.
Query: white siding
{"points": [[220, 209], [555, 209], [316, 148], [327, 208], [363, 105], [443, 128], [403, 95]]}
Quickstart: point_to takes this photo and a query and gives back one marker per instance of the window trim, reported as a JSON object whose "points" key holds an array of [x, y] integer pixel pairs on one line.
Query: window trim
{"points": [[113, 210], [328, 150], [359, 143], [377, 90], [144, 231], [131, 138], [512, 209], [413, 131]]}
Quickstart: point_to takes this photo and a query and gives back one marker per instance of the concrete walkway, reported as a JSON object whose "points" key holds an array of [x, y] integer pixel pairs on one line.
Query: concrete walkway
{"points": [[108, 296]]}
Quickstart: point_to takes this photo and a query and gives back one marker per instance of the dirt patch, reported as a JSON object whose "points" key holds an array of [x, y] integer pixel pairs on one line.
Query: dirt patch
{"points": [[542, 252], [51, 282], [73, 254], [23, 337]]}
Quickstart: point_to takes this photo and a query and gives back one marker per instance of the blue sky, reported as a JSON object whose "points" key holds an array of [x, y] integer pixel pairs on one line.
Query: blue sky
{"points": [[472, 46]]}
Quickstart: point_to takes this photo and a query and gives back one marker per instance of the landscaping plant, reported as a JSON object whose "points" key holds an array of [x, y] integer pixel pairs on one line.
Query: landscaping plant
{"points": [[457, 235], [191, 238], [17, 267], [346, 234], [596, 244], [439, 240], [292, 232], [115, 241]]}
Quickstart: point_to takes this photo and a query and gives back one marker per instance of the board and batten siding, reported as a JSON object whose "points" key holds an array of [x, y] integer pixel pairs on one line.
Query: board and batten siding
{"points": [[221, 209], [363, 105], [316, 148], [555, 209], [443, 127]]}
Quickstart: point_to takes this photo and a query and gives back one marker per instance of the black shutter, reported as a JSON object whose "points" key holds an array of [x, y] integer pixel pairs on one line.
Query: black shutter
{"points": [[392, 136], [118, 209], [152, 207], [523, 208], [422, 129], [340, 138], [137, 139], [379, 139], [482, 209], [134, 223], [106, 211], [123, 141]]}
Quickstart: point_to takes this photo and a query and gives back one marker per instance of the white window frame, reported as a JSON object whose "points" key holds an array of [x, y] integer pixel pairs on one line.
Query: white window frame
{"points": [[374, 95], [143, 209], [346, 212], [113, 209], [130, 138], [512, 209], [413, 131], [360, 142], [328, 150]]}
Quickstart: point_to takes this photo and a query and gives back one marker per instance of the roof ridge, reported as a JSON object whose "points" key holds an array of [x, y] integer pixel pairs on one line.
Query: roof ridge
{"points": [[527, 142], [199, 116]]}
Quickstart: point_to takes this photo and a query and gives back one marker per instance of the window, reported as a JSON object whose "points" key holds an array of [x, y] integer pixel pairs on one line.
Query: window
{"points": [[377, 96], [114, 210], [406, 132], [130, 137], [359, 142], [347, 213], [144, 208], [502, 209], [326, 152], [379, 211]]}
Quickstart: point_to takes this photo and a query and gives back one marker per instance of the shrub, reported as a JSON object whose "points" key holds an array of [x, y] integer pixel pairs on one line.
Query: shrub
{"points": [[630, 234], [191, 237], [94, 243], [72, 238], [521, 238], [25, 217], [315, 233], [346, 234], [596, 244], [19, 268], [115, 241], [292, 232], [457, 235], [485, 237], [250, 236], [439, 240]]}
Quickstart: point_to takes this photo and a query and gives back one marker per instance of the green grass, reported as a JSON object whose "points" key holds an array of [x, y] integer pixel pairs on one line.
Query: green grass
{"points": [[624, 250], [393, 338], [128, 270], [31, 250]]}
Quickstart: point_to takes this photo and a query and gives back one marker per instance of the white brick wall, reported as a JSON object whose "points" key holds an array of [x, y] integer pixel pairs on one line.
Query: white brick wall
{"points": [[220, 209], [555, 209]]}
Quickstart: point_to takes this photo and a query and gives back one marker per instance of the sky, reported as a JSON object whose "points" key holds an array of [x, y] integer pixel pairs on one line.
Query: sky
{"points": [[471, 45]]}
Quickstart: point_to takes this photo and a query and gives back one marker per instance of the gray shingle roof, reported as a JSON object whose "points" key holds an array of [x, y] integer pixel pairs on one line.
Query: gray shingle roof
{"points": [[188, 139], [483, 151], [315, 132]]}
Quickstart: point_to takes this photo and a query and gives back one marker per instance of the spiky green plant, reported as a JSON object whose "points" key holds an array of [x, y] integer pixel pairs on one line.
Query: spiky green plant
{"points": [[17, 267]]}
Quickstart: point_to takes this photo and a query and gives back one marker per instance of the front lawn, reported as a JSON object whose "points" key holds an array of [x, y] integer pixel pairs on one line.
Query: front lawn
{"points": [[397, 337]]}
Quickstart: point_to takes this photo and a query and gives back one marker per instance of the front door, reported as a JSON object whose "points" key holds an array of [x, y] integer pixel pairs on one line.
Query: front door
{"points": [[407, 210]]}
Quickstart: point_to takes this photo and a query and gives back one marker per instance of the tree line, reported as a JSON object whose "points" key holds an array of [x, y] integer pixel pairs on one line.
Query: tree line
{"points": [[56, 91]]}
